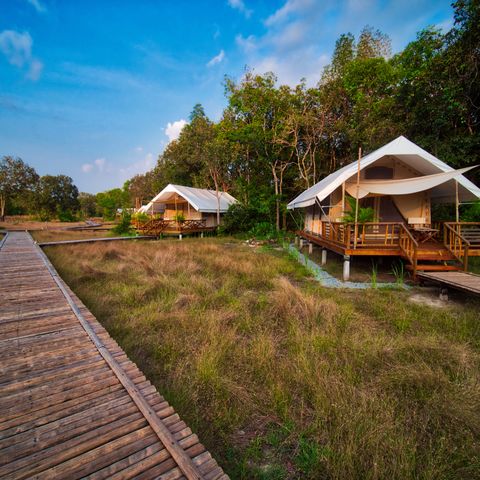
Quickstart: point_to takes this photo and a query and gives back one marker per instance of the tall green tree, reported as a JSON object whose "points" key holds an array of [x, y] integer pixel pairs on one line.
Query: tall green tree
{"points": [[57, 195], [110, 201], [17, 184]]}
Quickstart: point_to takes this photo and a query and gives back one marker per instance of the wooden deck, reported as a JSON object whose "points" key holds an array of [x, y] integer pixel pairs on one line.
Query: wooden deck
{"points": [[465, 281], [72, 405], [160, 226], [453, 242]]}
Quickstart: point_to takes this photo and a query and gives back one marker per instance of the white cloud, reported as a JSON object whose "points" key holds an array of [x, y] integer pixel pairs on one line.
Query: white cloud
{"points": [[247, 44], [100, 163], [17, 48], [106, 170], [216, 59], [291, 6], [135, 168], [240, 6], [35, 70], [173, 129], [37, 5], [446, 25]]}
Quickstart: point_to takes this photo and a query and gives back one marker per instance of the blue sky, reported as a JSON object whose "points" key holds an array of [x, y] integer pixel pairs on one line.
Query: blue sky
{"points": [[96, 89]]}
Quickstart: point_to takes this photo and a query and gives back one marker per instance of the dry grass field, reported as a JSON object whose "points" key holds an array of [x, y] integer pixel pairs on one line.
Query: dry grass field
{"points": [[281, 378], [59, 235]]}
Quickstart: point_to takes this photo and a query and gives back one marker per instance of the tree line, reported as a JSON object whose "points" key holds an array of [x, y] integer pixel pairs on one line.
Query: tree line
{"points": [[273, 141], [23, 191]]}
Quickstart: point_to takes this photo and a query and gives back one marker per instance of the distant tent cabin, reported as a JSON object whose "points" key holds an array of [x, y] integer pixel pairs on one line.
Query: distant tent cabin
{"points": [[180, 210], [400, 182]]}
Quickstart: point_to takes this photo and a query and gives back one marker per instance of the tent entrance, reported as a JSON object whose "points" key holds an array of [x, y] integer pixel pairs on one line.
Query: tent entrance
{"points": [[384, 208]]}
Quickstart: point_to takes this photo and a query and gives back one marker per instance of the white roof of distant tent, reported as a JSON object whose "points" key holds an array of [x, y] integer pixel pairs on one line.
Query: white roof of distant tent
{"points": [[200, 199], [406, 151]]}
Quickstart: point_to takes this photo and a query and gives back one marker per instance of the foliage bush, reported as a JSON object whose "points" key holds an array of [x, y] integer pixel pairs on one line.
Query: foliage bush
{"points": [[66, 216], [241, 218], [141, 217], [365, 214], [125, 224], [179, 217], [263, 230]]}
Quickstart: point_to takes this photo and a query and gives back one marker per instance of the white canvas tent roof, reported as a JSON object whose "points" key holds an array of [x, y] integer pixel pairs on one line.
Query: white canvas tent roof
{"points": [[200, 199], [402, 186], [406, 151]]}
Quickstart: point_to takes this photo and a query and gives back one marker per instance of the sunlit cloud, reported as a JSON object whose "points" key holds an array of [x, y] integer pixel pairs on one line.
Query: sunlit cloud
{"points": [[216, 59], [17, 49], [172, 131]]}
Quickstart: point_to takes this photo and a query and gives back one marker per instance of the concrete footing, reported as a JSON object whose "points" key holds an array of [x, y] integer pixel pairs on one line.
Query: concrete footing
{"points": [[201, 234], [324, 256], [300, 244], [346, 268], [180, 236], [310, 248]]}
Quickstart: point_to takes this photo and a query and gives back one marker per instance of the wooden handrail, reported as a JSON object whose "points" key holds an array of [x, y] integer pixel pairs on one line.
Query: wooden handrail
{"points": [[455, 243], [409, 246]]}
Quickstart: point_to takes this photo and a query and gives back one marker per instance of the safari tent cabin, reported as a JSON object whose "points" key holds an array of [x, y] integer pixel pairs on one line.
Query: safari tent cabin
{"points": [[400, 182], [178, 209]]}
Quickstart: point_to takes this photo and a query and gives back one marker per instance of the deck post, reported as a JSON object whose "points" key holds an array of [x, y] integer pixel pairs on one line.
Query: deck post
{"points": [[180, 236], [296, 240], [346, 268], [201, 234], [300, 243], [324, 256], [310, 248]]}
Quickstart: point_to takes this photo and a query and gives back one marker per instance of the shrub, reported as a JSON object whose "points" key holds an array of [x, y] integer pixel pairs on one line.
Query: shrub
{"points": [[364, 214], [264, 230], [141, 217], [179, 217], [242, 217], [124, 226], [66, 216]]}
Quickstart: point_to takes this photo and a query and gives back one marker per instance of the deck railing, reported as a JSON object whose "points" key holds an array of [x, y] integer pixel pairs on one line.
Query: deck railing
{"points": [[156, 226], [365, 235], [456, 242], [408, 245]]}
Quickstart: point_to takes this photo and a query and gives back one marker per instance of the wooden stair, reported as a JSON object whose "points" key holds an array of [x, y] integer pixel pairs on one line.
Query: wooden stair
{"points": [[431, 267], [434, 257]]}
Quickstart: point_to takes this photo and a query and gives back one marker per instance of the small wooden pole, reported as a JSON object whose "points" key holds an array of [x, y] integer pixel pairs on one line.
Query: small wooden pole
{"points": [[358, 193], [343, 198], [457, 213]]}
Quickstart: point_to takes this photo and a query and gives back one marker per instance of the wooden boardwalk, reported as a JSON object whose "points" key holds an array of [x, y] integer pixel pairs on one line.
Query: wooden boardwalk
{"points": [[72, 405], [465, 281]]}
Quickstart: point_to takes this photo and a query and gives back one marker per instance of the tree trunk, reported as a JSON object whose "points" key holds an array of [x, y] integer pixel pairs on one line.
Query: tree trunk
{"points": [[277, 199], [3, 201]]}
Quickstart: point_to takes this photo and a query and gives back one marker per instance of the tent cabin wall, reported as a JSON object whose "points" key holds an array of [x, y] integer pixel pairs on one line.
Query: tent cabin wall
{"points": [[182, 207]]}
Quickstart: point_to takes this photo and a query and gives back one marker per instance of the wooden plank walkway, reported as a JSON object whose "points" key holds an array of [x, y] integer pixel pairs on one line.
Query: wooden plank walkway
{"points": [[72, 405], [93, 239], [465, 281]]}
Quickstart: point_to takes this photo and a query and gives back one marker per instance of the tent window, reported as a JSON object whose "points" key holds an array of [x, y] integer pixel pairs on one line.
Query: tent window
{"points": [[379, 173]]}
